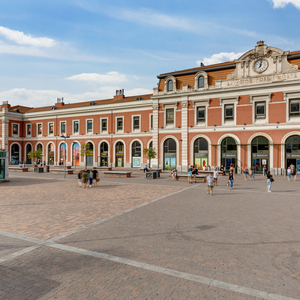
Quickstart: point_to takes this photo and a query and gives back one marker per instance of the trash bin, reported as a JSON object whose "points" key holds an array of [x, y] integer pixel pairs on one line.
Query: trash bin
{"points": [[47, 169], [151, 175]]}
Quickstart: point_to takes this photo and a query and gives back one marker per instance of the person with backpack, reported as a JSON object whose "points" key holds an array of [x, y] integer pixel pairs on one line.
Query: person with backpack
{"points": [[270, 179]]}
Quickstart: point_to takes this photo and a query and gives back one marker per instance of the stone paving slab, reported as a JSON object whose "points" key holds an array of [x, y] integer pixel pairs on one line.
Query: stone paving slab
{"points": [[48, 208], [68, 276]]}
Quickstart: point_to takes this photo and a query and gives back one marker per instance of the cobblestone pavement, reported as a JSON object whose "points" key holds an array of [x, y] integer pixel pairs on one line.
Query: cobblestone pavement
{"points": [[132, 238]]}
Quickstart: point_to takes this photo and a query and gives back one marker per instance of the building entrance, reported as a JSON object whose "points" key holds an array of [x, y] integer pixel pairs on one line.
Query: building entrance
{"points": [[169, 154], [260, 154], [292, 152], [200, 153], [229, 153]]}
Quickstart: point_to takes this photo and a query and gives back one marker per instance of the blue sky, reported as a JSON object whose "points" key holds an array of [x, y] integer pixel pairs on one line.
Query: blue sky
{"points": [[85, 50]]}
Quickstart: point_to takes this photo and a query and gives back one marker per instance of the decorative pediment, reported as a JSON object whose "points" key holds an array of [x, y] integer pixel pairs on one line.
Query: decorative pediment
{"points": [[261, 62]]}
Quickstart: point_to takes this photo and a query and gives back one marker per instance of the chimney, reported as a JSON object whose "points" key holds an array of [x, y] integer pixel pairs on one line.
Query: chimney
{"points": [[60, 102], [5, 104], [119, 94]]}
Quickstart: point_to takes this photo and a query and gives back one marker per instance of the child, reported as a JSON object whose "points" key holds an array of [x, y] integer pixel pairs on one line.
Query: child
{"points": [[210, 183], [190, 176], [289, 173]]}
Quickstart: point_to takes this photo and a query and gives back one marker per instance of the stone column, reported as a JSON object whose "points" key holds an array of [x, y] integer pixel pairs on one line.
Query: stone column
{"points": [[5, 124], [155, 161], [184, 133]]}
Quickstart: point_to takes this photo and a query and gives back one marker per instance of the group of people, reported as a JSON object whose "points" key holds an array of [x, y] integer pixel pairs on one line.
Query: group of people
{"points": [[291, 171], [88, 178], [249, 172]]}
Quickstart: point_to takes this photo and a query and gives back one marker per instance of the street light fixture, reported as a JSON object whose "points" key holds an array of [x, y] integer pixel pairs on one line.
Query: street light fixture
{"points": [[181, 154], [65, 137]]}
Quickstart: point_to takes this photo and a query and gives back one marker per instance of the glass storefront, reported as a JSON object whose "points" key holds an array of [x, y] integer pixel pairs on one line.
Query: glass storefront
{"points": [[136, 155], [2, 165], [28, 149], [75, 154], [15, 154], [229, 153], [103, 162], [200, 153], [260, 154], [169, 154], [40, 147], [62, 153], [90, 155], [119, 154], [51, 154], [292, 152]]}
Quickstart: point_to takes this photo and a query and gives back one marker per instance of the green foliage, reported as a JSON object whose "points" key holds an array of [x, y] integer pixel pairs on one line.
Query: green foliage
{"points": [[35, 155], [150, 154], [85, 150]]}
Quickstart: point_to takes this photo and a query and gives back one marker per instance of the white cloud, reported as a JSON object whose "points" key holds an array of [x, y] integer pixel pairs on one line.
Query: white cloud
{"points": [[38, 98], [26, 39], [108, 78], [283, 3], [219, 58]]}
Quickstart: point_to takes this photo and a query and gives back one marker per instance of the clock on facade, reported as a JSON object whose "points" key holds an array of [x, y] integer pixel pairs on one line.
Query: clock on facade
{"points": [[260, 65]]}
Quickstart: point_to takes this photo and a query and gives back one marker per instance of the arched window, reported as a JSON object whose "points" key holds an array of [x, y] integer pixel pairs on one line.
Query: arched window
{"points": [[169, 154], [62, 154], [292, 152], [229, 153], [51, 154], [200, 153], [170, 86], [103, 155], [151, 145], [200, 82], [90, 154], [75, 154], [15, 154], [136, 154], [28, 149], [119, 154], [260, 153]]}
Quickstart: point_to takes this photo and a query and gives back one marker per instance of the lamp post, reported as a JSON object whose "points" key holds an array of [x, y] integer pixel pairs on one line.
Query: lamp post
{"points": [[181, 154], [65, 137]]}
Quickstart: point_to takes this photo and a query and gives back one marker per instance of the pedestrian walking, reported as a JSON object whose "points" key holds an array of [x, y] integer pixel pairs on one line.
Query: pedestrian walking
{"points": [[293, 171], [79, 179], [190, 176], [246, 172], [83, 179], [95, 176], [215, 177], [252, 172], [222, 170], [270, 179], [210, 183], [289, 173], [90, 178], [231, 179]]}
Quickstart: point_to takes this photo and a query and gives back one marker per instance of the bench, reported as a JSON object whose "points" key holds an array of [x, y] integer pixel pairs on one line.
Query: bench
{"points": [[17, 169], [104, 168], [61, 167], [220, 173], [117, 174], [61, 171], [151, 170], [185, 177]]}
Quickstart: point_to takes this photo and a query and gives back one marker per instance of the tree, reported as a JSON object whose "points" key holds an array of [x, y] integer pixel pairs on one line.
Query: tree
{"points": [[35, 155], [150, 154], [85, 150]]}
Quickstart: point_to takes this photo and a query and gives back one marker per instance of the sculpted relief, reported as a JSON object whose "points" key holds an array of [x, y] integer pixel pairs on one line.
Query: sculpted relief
{"points": [[261, 64]]}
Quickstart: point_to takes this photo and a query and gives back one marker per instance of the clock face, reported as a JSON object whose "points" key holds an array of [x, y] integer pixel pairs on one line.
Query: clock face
{"points": [[260, 65]]}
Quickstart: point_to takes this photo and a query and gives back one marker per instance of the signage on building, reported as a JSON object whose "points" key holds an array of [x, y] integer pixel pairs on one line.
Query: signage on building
{"points": [[229, 155], [200, 154], [170, 155], [289, 155], [260, 155]]}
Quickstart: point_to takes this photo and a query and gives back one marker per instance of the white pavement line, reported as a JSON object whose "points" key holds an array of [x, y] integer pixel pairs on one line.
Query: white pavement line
{"points": [[165, 271], [19, 253], [114, 216], [21, 237]]}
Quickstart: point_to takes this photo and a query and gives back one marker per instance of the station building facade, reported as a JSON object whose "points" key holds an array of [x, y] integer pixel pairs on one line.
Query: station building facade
{"points": [[245, 112]]}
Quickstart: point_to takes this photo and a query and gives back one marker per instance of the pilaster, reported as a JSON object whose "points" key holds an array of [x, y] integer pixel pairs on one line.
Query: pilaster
{"points": [[184, 134], [5, 124], [155, 161]]}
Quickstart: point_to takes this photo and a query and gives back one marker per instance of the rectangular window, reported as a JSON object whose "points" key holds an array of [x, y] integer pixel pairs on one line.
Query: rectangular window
{"points": [[260, 110], [200, 115], [28, 129], [104, 124], [229, 112], [51, 128], [294, 108], [119, 124], [63, 127], [136, 123], [170, 116], [151, 122], [76, 127], [40, 129], [15, 129], [89, 126]]}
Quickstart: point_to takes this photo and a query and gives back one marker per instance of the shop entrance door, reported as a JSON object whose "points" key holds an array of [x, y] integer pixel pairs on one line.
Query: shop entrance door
{"points": [[226, 162], [170, 162], [259, 164], [200, 163]]}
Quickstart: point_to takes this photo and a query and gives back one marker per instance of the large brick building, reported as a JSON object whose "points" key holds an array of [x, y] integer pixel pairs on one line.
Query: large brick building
{"points": [[244, 112]]}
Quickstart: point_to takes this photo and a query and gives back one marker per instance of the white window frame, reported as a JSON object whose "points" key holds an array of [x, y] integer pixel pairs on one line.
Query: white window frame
{"points": [[65, 127], [28, 135], [229, 101], [167, 79], [50, 134], [12, 130], [132, 124], [116, 124], [86, 126], [205, 78], [197, 104], [288, 97], [151, 117], [254, 99], [37, 129], [101, 128], [73, 127], [169, 106]]}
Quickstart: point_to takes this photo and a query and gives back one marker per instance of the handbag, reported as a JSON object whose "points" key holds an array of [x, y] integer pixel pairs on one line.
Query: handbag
{"points": [[272, 179], [227, 183]]}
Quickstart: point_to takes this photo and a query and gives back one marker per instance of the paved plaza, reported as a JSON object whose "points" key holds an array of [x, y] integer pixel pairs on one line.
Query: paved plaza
{"points": [[135, 238]]}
